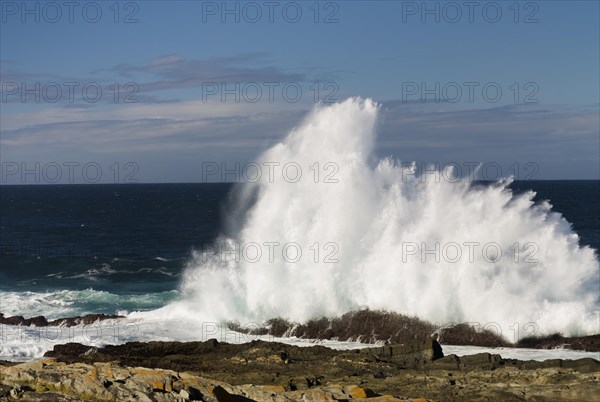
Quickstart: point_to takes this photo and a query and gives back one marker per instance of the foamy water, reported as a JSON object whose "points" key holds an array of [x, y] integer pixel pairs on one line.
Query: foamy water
{"points": [[365, 230], [72, 303], [30, 343]]}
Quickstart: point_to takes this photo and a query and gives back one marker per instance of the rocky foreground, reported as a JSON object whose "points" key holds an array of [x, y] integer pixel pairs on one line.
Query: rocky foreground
{"points": [[267, 371]]}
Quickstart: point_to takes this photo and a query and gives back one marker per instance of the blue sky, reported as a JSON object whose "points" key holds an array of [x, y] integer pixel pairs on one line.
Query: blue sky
{"points": [[427, 63]]}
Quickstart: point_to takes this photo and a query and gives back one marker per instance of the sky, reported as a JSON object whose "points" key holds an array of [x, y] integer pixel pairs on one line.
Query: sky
{"points": [[151, 91]]}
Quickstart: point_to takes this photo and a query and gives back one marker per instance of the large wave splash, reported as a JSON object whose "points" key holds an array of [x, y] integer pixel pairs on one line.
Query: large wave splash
{"points": [[370, 221]]}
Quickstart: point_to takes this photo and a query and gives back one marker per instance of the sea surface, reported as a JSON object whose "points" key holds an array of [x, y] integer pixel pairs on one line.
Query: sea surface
{"points": [[73, 249], [76, 249]]}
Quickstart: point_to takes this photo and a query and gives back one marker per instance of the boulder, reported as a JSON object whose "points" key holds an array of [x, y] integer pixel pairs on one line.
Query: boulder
{"points": [[409, 354]]}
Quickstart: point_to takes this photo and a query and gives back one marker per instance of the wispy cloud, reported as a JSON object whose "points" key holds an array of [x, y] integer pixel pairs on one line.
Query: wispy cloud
{"points": [[558, 139], [174, 71], [155, 127], [163, 73], [499, 132]]}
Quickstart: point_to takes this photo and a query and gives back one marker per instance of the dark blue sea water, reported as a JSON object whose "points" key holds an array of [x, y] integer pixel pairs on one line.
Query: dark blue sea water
{"points": [[128, 243], [112, 237]]}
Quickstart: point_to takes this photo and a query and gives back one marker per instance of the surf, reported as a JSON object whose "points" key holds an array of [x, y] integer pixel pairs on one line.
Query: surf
{"points": [[396, 236]]}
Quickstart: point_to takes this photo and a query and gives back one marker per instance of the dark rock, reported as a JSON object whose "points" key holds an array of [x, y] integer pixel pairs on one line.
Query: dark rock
{"points": [[533, 364], [195, 394], [16, 320], [450, 362], [291, 386], [589, 343], [481, 361], [4, 391], [85, 320], [314, 381], [223, 396], [410, 354], [68, 352], [369, 326], [465, 334], [41, 321], [585, 365]]}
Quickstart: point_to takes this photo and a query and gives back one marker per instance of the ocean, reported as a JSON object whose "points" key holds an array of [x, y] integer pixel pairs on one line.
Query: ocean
{"points": [[101, 248], [179, 261], [76, 249], [70, 250]]}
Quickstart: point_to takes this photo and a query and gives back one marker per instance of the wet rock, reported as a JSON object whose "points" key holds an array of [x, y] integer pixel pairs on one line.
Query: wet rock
{"points": [[590, 343], [465, 334], [41, 321], [69, 351], [16, 320], [85, 320]]}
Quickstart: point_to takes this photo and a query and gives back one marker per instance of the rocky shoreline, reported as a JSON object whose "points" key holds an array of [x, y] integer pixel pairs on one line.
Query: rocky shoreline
{"points": [[41, 321], [269, 371], [365, 326], [375, 326]]}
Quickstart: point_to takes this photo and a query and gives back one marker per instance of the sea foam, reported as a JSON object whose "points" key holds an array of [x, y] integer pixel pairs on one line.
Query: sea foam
{"points": [[521, 268]]}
